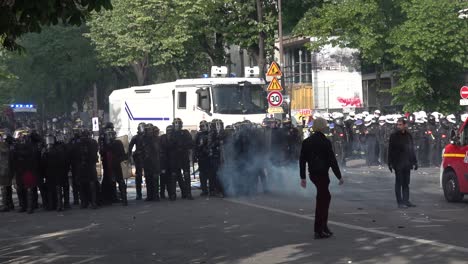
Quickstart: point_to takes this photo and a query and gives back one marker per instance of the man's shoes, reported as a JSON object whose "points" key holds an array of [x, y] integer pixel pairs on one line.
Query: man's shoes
{"points": [[402, 206], [321, 235], [138, 197], [409, 204], [328, 232]]}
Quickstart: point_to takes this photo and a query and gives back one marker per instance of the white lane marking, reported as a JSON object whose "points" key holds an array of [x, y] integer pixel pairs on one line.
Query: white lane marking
{"points": [[450, 210], [360, 228], [422, 226]]}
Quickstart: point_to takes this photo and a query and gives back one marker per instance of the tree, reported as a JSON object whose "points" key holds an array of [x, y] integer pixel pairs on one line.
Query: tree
{"points": [[139, 34], [249, 23], [430, 48], [365, 25], [20, 17], [57, 69]]}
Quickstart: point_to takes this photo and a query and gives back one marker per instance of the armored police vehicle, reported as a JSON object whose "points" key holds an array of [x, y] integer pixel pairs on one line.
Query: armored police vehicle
{"points": [[229, 99]]}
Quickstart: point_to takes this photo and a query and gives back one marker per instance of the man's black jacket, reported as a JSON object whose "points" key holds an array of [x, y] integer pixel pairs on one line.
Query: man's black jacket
{"points": [[401, 151], [317, 153]]}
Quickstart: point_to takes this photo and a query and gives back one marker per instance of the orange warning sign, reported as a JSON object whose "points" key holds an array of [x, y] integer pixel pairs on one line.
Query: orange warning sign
{"points": [[274, 85], [274, 70]]}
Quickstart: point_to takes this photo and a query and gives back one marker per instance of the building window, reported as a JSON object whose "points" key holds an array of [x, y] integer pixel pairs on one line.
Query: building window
{"points": [[182, 102]]}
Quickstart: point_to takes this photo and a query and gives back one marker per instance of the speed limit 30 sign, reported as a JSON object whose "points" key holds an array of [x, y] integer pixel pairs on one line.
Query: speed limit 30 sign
{"points": [[275, 98]]}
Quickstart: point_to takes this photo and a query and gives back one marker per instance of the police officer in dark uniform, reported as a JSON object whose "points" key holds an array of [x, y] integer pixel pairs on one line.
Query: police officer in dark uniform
{"points": [[433, 140], [339, 140], [151, 159], [54, 163], [216, 152], [164, 164], [6, 174], [201, 155], [293, 142], [84, 157], [74, 167], [112, 155], [181, 144], [137, 141], [371, 132], [26, 163]]}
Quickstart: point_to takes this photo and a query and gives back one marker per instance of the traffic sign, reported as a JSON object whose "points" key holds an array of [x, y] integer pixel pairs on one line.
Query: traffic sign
{"points": [[275, 110], [464, 92], [463, 101], [274, 85], [275, 98], [95, 124], [274, 70]]}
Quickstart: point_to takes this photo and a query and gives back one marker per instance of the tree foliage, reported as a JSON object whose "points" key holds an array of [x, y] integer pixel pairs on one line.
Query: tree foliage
{"points": [[430, 48], [19, 17], [139, 34], [423, 40], [59, 68]]}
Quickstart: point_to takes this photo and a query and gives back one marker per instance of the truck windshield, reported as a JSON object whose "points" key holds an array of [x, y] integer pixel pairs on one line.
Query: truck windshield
{"points": [[239, 99]]}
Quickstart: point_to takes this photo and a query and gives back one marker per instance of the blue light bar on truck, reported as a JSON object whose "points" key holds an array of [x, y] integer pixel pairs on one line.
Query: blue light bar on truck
{"points": [[24, 108]]}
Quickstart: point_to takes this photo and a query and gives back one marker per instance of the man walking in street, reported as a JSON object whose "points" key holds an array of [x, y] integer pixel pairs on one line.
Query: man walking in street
{"points": [[317, 153], [402, 158]]}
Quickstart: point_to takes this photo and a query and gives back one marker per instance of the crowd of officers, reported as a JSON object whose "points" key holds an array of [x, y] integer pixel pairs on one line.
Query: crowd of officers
{"points": [[366, 136], [231, 160]]}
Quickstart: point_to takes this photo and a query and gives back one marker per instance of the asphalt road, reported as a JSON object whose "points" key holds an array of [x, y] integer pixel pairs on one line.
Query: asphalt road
{"points": [[267, 228]]}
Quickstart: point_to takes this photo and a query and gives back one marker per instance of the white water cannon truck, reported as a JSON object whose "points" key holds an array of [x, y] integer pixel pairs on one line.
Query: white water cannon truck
{"points": [[230, 99]]}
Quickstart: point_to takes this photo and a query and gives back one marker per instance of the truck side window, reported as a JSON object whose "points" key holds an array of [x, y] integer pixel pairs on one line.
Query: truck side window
{"points": [[182, 100]]}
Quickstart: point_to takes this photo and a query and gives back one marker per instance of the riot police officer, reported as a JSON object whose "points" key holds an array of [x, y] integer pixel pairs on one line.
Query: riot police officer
{"points": [[6, 175], [137, 141], [113, 154], [201, 155], [151, 159], [179, 151], [26, 163], [339, 138], [164, 178], [216, 153], [371, 132], [55, 168], [84, 157]]}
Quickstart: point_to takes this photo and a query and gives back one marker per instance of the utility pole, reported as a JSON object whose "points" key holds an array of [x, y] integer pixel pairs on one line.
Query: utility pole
{"points": [[280, 37]]}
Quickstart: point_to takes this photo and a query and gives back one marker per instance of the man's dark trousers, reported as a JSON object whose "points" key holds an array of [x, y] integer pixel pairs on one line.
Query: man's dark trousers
{"points": [[322, 203], [402, 181]]}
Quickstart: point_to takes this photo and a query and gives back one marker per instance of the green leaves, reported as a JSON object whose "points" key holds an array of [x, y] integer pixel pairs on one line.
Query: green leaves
{"points": [[20, 17], [425, 40]]}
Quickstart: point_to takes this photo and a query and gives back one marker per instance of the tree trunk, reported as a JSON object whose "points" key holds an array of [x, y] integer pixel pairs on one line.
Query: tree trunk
{"points": [[140, 68], [261, 40], [378, 85]]}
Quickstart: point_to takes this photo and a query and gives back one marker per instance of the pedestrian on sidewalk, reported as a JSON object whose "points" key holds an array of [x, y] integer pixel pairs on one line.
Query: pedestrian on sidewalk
{"points": [[317, 153], [402, 158]]}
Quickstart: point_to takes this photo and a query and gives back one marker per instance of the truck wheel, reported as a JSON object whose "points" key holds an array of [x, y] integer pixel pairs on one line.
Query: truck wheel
{"points": [[451, 189]]}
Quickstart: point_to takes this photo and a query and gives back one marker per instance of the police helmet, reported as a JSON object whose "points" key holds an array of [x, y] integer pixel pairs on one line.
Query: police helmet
{"points": [[109, 125], [204, 126], [451, 118], [368, 120], [155, 130], [177, 123], [219, 125], [169, 129], [141, 128], [339, 122]]}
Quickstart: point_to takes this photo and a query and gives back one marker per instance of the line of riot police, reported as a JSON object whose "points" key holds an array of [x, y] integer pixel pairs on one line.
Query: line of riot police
{"points": [[365, 136]]}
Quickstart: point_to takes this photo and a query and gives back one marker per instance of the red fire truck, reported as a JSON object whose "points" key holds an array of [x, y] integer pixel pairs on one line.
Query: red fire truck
{"points": [[454, 169]]}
